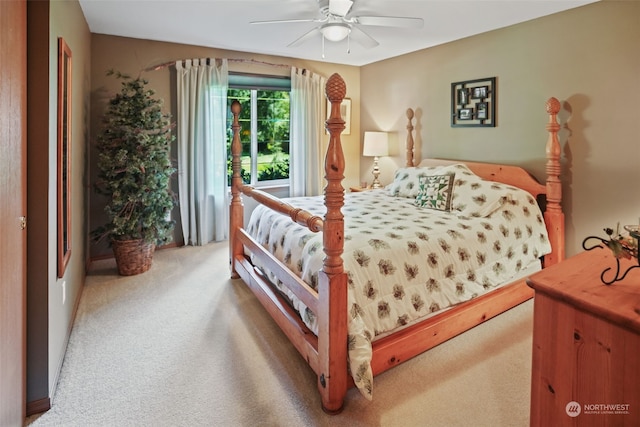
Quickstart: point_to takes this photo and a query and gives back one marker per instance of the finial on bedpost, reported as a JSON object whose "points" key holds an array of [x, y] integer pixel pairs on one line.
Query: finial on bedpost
{"points": [[409, 138], [332, 280], [335, 90], [236, 208], [554, 184]]}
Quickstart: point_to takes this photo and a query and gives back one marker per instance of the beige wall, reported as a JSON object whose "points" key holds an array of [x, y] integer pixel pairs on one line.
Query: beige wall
{"points": [[587, 57], [131, 56], [67, 20], [51, 300]]}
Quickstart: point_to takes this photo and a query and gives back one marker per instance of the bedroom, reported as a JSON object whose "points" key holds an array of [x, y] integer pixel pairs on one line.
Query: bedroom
{"points": [[596, 73]]}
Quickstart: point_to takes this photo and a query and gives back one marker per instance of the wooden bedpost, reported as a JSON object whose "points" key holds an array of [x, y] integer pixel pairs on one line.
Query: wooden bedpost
{"points": [[553, 213], [332, 280], [410, 153], [236, 208]]}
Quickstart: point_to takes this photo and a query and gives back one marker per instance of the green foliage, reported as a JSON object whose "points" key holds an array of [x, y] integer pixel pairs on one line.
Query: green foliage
{"points": [[271, 129], [134, 165], [275, 170]]}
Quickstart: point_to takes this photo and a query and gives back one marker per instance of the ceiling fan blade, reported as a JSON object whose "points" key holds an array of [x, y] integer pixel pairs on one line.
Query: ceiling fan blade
{"points": [[390, 21], [340, 7], [306, 36], [283, 21], [362, 38]]}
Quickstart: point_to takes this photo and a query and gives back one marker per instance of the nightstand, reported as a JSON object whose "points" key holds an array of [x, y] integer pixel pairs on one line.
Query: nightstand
{"points": [[586, 344]]}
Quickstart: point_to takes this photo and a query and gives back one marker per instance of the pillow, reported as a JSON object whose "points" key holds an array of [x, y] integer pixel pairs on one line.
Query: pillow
{"points": [[436, 192], [477, 197], [406, 181]]}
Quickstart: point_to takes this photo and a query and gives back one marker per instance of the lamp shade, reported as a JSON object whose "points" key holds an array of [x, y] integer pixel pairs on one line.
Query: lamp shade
{"points": [[376, 144]]}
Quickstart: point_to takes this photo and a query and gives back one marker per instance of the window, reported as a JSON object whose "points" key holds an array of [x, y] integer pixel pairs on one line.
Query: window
{"points": [[264, 119]]}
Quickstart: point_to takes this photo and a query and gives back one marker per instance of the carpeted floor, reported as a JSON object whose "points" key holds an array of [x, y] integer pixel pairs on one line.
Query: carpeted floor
{"points": [[183, 345]]}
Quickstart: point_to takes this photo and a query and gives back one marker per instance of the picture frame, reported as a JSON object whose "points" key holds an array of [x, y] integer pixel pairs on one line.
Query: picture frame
{"points": [[64, 157], [463, 96], [465, 114], [479, 92], [345, 112], [482, 110], [473, 103]]}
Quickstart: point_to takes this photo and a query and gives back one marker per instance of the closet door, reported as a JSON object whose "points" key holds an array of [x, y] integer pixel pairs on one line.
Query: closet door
{"points": [[13, 90]]}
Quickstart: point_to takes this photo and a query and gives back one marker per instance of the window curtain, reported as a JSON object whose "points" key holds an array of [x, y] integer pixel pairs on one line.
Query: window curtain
{"points": [[308, 139], [202, 149]]}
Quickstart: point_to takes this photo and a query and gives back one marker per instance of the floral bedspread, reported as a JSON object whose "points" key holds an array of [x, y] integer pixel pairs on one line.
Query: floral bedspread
{"points": [[405, 262]]}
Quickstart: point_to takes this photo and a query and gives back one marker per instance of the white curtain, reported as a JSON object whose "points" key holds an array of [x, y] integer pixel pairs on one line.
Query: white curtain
{"points": [[308, 139], [202, 149]]}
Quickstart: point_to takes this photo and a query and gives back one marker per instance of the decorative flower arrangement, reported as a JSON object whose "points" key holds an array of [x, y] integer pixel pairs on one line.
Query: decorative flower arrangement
{"points": [[623, 246]]}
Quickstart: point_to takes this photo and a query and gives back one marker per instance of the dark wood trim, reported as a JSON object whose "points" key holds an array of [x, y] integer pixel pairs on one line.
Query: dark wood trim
{"points": [[38, 406]]}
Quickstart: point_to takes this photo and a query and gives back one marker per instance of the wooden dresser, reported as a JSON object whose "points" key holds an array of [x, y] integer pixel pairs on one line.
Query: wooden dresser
{"points": [[586, 344]]}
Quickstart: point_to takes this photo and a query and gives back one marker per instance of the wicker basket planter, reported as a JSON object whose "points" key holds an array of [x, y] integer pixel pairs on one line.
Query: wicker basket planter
{"points": [[133, 256]]}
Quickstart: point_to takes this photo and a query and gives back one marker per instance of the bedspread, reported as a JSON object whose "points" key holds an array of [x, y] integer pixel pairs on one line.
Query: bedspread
{"points": [[404, 262]]}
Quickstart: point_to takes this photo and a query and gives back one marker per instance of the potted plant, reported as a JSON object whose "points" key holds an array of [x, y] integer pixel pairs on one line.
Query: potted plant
{"points": [[134, 171]]}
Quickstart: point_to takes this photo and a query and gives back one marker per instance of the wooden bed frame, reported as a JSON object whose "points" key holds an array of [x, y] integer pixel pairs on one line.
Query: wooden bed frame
{"points": [[326, 353]]}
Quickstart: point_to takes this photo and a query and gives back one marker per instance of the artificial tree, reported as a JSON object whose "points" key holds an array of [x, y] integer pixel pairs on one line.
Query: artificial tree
{"points": [[134, 172]]}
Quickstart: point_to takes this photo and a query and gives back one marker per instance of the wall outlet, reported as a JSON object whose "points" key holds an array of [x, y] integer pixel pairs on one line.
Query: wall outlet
{"points": [[64, 291]]}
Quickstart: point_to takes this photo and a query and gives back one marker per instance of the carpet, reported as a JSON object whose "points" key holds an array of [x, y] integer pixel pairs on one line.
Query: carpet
{"points": [[184, 345]]}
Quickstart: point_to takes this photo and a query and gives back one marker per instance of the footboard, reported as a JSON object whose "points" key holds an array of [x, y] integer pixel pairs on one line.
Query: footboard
{"points": [[326, 353]]}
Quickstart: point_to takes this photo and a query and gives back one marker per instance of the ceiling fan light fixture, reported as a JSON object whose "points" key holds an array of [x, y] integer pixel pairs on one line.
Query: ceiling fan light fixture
{"points": [[335, 31]]}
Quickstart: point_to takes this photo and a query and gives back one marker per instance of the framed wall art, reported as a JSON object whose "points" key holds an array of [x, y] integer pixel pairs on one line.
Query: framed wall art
{"points": [[64, 156], [473, 103]]}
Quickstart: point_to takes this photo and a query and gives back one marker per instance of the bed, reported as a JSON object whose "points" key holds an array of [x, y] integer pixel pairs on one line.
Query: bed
{"points": [[356, 302]]}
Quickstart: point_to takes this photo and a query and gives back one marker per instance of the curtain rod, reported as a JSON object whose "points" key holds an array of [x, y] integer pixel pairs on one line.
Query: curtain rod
{"points": [[247, 61]]}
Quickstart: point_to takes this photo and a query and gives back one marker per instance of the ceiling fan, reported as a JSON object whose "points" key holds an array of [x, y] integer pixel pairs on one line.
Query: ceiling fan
{"points": [[335, 24]]}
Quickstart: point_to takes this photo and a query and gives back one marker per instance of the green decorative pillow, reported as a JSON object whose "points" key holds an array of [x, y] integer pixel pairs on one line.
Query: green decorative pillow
{"points": [[435, 192], [406, 181]]}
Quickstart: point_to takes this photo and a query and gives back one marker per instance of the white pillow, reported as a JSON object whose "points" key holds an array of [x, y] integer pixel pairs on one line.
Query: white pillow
{"points": [[406, 181], [472, 196], [477, 197]]}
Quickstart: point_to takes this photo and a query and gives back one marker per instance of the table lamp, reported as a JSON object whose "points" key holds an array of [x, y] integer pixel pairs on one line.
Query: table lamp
{"points": [[376, 144]]}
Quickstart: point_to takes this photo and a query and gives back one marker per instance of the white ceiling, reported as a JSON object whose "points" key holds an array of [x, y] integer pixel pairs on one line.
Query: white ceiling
{"points": [[225, 24]]}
